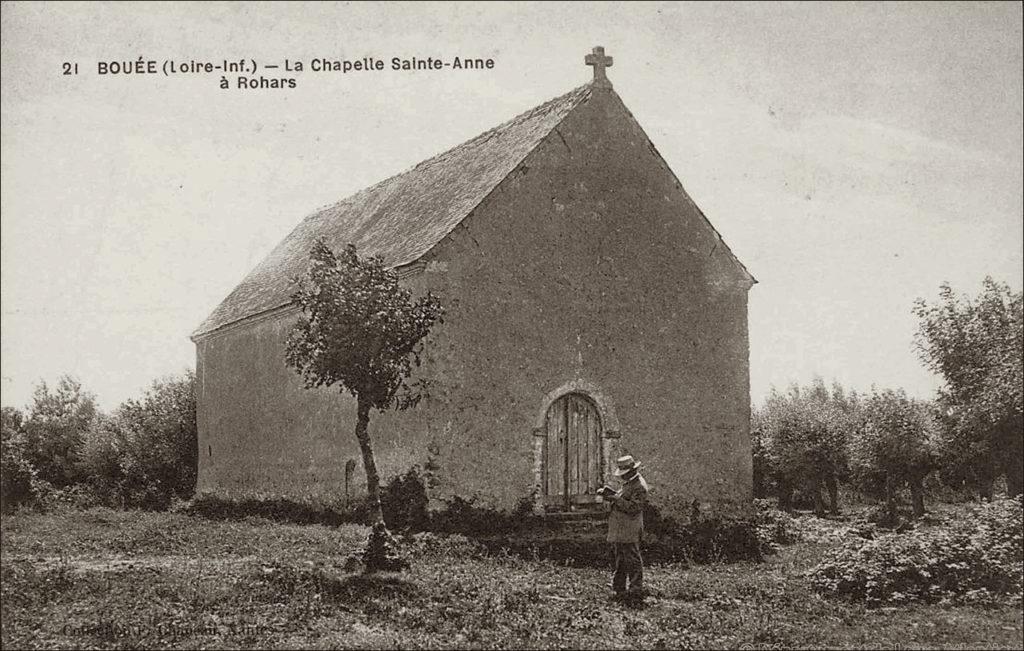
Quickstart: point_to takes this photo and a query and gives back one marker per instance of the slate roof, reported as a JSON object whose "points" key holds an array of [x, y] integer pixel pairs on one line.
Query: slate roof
{"points": [[402, 217]]}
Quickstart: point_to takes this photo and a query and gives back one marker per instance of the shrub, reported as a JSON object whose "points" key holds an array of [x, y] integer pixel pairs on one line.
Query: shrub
{"points": [[975, 560], [16, 472], [48, 497], [404, 501], [996, 529], [157, 454], [65, 453], [55, 427], [773, 527], [460, 515], [717, 539], [278, 509], [523, 509], [16, 478], [100, 460], [657, 524]]}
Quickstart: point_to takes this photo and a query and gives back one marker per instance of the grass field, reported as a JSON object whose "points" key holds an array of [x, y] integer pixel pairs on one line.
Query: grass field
{"points": [[110, 579]]}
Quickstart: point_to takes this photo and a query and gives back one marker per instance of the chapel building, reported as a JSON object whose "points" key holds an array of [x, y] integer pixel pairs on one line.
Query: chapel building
{"points": [[592, 310]]}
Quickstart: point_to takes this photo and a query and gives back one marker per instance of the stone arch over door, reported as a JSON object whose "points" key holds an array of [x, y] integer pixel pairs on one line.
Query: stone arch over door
{"points": [[575, 439]]}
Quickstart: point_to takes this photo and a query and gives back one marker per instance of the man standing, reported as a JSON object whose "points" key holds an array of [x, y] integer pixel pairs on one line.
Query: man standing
{"points": [[626, 525]]}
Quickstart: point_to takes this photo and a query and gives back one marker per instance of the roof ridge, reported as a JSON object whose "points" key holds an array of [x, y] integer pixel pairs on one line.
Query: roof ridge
{"points": [[522, 116]]}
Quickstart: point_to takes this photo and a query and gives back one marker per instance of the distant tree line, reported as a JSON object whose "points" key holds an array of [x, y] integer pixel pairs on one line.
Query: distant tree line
{"points": [[61, 448], [809, 440]]}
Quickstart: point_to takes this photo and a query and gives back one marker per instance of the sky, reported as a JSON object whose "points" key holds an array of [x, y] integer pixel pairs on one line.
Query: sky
{"points": [[853, 156]]}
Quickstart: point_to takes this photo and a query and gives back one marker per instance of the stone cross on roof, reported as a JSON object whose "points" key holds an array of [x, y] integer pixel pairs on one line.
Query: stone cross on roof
{"points": [[600, 62]]}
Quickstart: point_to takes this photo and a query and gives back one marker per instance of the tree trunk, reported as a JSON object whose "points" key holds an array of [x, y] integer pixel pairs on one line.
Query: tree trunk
{"points": [[1014, 481], [833, 494], [1014, 471], [987, 488], [785, 493], [917, 493], [892, 516], [819, 503], [369, 466]]}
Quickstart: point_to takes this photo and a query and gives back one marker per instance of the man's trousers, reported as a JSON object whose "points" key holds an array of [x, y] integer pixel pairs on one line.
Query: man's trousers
{"points": [[629, 564]]}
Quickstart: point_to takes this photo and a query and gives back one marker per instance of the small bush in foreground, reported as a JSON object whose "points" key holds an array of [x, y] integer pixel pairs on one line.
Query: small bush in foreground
{"points": [[774, 528], [404, 501], [977, 559]]}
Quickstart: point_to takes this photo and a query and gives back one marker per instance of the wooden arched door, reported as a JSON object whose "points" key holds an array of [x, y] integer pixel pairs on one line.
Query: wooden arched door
{"points": [[572, 452]]}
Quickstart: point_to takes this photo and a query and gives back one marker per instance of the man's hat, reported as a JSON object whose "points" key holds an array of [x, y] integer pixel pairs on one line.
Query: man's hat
{"points": [[625, 465]]}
